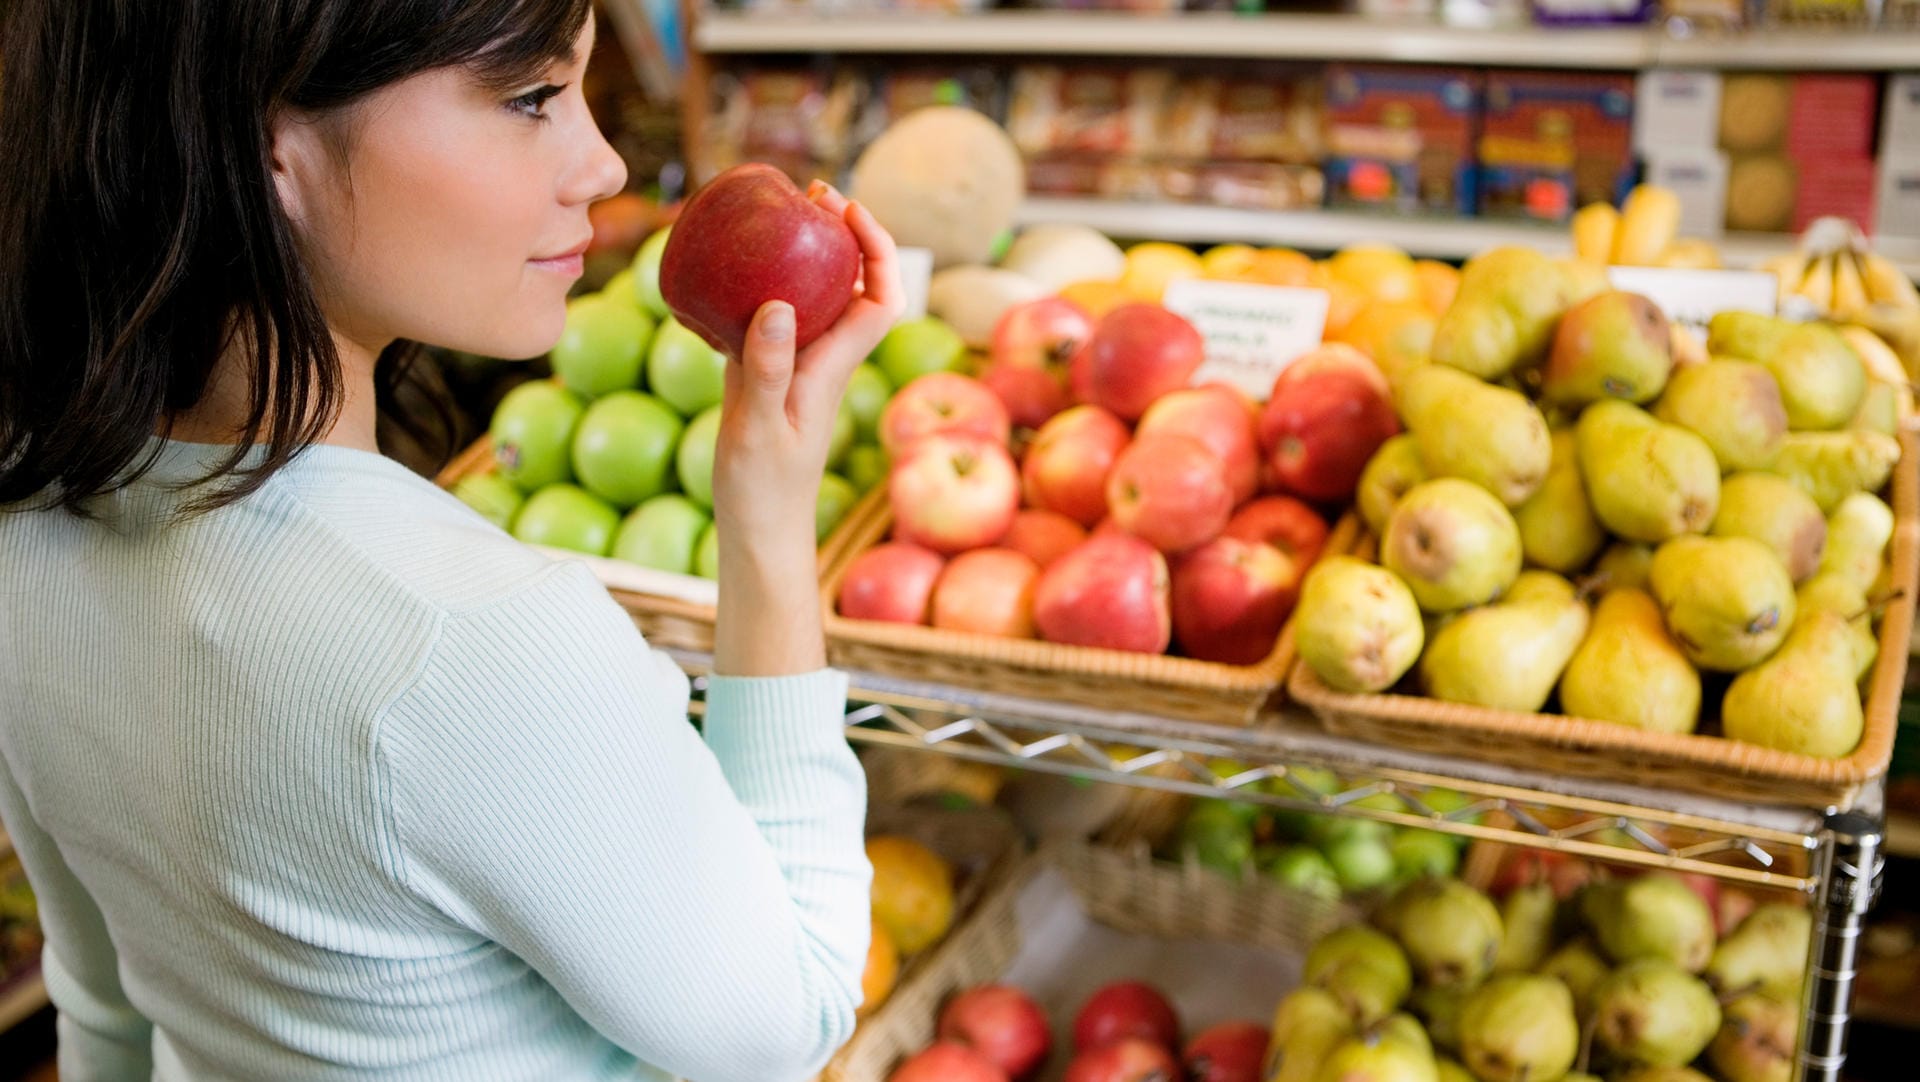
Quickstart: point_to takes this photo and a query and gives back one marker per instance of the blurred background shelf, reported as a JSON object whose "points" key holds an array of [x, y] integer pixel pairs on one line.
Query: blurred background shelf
{"points": [[21, 998]]}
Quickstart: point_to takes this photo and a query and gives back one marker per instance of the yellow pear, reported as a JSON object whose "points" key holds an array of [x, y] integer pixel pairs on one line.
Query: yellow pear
{"points": [[1803, 699], [1630, 671]]}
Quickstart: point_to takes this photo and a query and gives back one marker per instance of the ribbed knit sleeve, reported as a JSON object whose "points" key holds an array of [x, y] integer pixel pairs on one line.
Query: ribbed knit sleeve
{"points": [[702, 904]]}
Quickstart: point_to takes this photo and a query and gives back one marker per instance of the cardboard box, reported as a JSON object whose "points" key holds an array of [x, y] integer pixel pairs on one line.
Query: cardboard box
{"points": [[1676, 111], [1900, 119], [1831, 116], [1401, 138], [1552, 142], [1837, 187], [1896, 203], [1699, 178]]}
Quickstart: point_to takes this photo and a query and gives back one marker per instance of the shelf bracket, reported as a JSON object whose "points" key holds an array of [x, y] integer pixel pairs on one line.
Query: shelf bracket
{"points": [[1852, 866]]}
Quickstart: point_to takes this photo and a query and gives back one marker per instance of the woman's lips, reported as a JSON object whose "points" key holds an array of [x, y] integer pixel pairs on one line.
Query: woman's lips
{"points": [[571, 262]]}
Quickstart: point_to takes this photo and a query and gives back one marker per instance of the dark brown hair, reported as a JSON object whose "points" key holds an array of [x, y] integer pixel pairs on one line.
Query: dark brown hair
{"points": [[140, 230]]}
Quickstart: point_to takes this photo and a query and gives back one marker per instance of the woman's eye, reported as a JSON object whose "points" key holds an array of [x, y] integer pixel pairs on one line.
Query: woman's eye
{"points": [[534, 102]]}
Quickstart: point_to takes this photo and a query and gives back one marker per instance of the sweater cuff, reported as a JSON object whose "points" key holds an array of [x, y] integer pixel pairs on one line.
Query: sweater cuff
{"points": [[776, 713]]}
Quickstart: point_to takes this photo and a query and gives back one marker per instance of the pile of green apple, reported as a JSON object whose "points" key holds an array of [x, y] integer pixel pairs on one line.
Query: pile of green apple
{"points": [[613, 455]]}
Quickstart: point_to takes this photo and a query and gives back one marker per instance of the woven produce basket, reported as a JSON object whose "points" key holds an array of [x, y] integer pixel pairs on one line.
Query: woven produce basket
{"points": [[1695, 763], [1124, 891], [670, 622], [1158, 684]]}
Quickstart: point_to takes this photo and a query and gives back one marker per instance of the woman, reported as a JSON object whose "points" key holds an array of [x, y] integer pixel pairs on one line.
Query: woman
{"points": [[317, 775]]}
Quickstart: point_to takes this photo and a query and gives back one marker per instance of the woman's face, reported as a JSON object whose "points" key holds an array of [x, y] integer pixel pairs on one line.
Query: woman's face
{"points": [[457, 215]]}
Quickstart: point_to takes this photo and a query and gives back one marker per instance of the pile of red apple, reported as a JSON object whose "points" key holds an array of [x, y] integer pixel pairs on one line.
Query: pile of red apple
{"points": [[1140, 512], [1126, 1032]]}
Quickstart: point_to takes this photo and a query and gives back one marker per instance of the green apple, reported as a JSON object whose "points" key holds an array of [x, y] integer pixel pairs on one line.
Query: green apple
{"points": [[866, 466], [842, 440], [493, 496], [567, 517], [919, 346], [532, 433], [694, 463], [706, 557], [1360, 862], [867, 394], [625, 447], [1304, 869], [683, 370], [602, 347], [619, 289], [1326, 831], [662, 533], [646, 273], [1418, 854], [837, 497], [1219, 836]]}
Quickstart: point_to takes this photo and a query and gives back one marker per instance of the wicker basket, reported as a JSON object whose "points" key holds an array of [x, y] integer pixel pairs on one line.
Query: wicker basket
{"points": [[1124, 891], [1702, 764], [1174, 687], [667, 622]]}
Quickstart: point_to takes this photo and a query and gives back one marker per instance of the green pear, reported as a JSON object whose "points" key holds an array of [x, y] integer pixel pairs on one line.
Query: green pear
{"points": [[1579, 966], [1630, 671], [1503, 317], [1492, 436], [1612, 345], [1804, 698], [1757, 1040], [1526, 928], [1449, 1071], [1830, 466], [1657, 1074], [1648, 480], [1557, 527], [1879, 409], [1746, 334], [1380, 1054], [1518, 1027], [1837, 593], [1440, 1009], [1858, 533], [1734, 405], [1624, 566], [1767, 953], [1357, 625], [1728, 601], [1654, 1013], [1653, 916], [1775, 512], [1451, 932], [1508, 655], [1307, 1026], [1365, 970], [1821, 378], [1391, 472], [1454, 544]]}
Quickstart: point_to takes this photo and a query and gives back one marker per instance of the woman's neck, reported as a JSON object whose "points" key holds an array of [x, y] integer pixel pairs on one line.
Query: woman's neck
{"points": [[221, 414]]}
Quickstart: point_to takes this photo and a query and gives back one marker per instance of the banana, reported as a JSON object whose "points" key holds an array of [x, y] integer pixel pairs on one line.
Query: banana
{"points": [[1899, 328], [1849, 291], [1886, 283], [1594, 228], [1817, 286], [1788, 269], [1648, 223], [1691, 253]]}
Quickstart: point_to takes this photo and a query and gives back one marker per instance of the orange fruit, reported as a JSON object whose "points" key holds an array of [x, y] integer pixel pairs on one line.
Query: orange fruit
{"points": [[1097, 297], [912, 892], [1439, 284], [1150, 266], [1380, 271], [1343, 307], [883, 969], [1396, 334], [1280, 267], [1228, 262]]}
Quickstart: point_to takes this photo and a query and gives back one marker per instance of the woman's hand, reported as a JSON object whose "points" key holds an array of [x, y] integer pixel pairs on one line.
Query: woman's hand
{"points": [[775, 428]]}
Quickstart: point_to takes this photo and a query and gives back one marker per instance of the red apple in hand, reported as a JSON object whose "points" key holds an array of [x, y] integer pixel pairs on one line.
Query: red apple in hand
{"points": [[1228, 1052], [1138, 353], [1287, 524], [948, 1062], [1111, 592], [1068, 461], [1217, 419], [1130, 1060], [892, 582], [1027, 362], [1003, 1025], [1318, 432], [954, 492], [941, 402], [1230, 599], [1044, 536], [989, 591], [1126, 1009], [1169, 491], [750, 237]]}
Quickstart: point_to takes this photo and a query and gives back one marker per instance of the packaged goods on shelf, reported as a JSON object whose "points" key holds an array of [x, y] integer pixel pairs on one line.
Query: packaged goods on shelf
{"points": [[1835, 188], [1762, 193], [1107, 111], [1829, 12], [1900, 118], [1273, 116], [1551, 142], [1401, 138], [1754, 110], [1832, 115], [1676, 110], [1591, 12], [899, 91], [798, 119], [1897, 196], [1699, 179]]}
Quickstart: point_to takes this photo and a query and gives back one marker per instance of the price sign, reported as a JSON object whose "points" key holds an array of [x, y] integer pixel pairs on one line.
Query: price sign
{"points": [[1693, 297], [916, 274], [1252, 332]]}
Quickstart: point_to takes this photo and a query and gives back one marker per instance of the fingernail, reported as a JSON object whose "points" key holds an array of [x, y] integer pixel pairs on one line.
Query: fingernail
{"points": [[777, 324]]}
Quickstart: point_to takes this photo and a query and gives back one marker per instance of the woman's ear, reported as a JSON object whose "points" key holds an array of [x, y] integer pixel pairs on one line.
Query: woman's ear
{"points": [[298, 156]]}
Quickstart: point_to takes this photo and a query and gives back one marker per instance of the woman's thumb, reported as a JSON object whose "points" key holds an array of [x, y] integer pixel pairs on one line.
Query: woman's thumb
{"points": [[766, 359]]}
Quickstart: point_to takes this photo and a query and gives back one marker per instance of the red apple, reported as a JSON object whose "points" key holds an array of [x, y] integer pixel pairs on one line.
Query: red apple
{"points": [[1027, 361], [1032, 395], [1126, 1009], [1110, 592], [954, 492], [1287, 524], [1228, 1052], [1002, 1024], [1130, 1060], [948, 1062], [1044, 536], [989, 591], [941, 402], [1169, 491], [1332, 356], [750, 237], [1319, 432], [1138, 352], [1217, 419], [1068, 461], [892, 582], [1230, 599]]}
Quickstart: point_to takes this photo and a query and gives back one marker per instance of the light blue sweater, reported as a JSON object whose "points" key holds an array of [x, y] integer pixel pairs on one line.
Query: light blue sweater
{"points": [[343, 783]]}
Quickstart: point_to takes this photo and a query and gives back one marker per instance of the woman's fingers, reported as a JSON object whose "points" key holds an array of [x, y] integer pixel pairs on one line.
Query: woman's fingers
{"points": [[872, 313], [882, 261], [765, 371], [827, 196]]}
